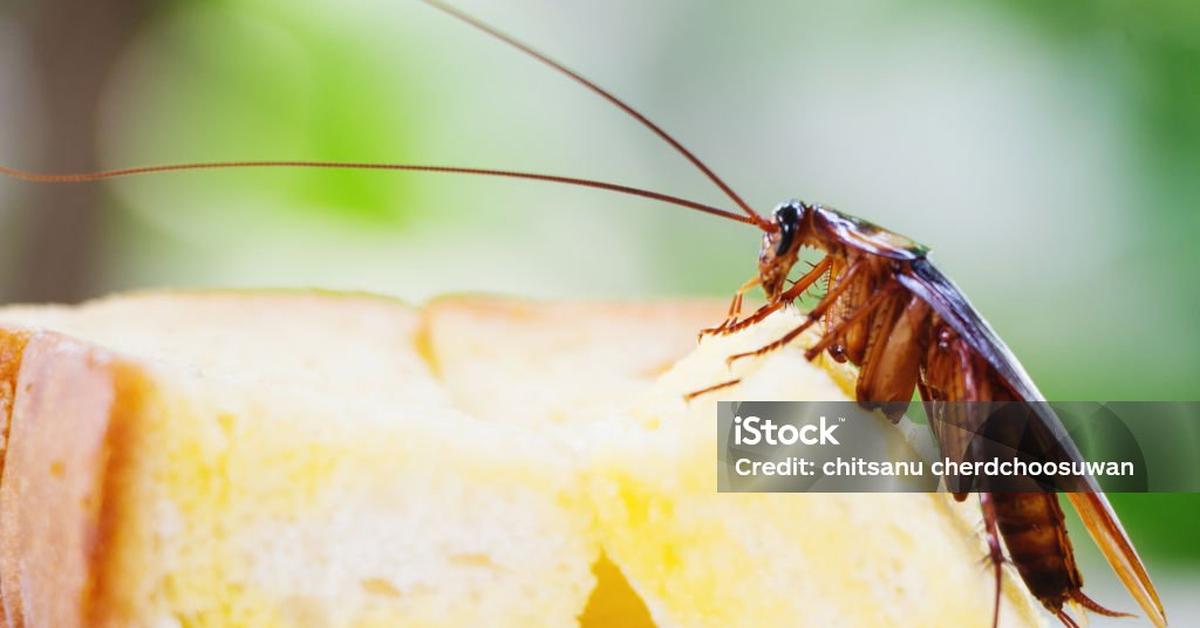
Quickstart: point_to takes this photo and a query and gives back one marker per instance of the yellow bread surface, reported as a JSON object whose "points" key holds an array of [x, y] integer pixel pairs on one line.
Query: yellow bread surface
{"points": [[308, 459], [273, 460], [696, 557], [702, 558]]}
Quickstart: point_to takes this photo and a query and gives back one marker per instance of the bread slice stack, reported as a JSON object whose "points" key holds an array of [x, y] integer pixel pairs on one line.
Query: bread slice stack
{"points": [[317, 459]]}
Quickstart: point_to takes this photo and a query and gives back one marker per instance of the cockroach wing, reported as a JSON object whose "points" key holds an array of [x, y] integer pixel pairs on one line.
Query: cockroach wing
{"points": [[1105, 529], [927, 282]]}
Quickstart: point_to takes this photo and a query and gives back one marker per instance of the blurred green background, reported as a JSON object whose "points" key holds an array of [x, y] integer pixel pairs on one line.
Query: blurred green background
{"points": [[1049, 153]]}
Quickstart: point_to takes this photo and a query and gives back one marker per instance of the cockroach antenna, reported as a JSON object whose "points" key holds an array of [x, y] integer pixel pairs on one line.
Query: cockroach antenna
{"points": [[88, 177], [757, 219], [750, 217]]}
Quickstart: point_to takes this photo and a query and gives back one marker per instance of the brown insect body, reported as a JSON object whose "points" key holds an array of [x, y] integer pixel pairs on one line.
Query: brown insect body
{"points": [[887, 310], [1031, 524], [908, 328], [1036, 538]]}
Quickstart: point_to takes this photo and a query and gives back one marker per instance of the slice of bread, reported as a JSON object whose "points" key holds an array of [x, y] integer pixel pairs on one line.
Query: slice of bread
{"points": [[694, 556], [701, 558], [302, 459], [271, 460]]}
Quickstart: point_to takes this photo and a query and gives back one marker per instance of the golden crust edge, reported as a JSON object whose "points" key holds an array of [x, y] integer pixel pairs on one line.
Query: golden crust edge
{"points": [[63, 480]]}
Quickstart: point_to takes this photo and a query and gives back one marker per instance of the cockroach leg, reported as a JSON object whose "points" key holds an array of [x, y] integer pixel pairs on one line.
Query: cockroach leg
{"points": [[892, 364], [995, 553], [863, 310], [778, 344], [735, 308], [819, 310], [1065, 619], [788, 296], [692, 395]]}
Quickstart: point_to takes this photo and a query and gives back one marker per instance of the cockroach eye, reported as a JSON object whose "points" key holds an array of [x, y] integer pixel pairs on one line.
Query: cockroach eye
{"points": [[787, 217]]}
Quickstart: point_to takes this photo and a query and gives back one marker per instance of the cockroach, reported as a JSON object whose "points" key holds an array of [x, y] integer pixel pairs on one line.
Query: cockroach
{"points": [[887, 310]]}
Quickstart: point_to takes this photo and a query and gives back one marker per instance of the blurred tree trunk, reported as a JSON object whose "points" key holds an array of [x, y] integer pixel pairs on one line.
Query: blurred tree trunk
{"points": [[73, 45]]}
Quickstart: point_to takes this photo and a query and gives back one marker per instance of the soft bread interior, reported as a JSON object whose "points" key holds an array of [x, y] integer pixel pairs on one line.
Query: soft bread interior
{"points": [[319, 459], [702, 558], [291, 460], [696, 557]]}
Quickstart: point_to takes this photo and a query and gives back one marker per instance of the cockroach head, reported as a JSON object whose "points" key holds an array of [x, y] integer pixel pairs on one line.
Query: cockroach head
{"points": [[781, 246]]}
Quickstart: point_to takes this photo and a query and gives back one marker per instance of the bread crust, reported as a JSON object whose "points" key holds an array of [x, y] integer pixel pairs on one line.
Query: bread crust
{"points": [[57, 512], [12, 347]]}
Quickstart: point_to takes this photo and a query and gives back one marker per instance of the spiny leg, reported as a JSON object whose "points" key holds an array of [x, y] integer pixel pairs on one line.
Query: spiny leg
{"points": [[818, 270], [726, 384], [1065, 619], [995, 553], [735, 308], [832, 296], [891, 365], [791, 294], [799, 287], [832, 334]]}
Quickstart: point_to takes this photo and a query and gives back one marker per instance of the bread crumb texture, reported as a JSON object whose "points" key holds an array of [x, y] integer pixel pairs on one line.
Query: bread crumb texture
{"points": [[319, 459]]}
